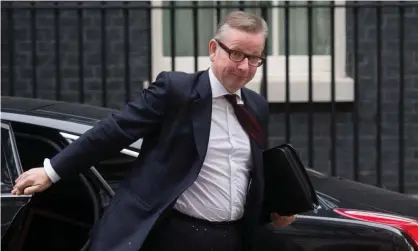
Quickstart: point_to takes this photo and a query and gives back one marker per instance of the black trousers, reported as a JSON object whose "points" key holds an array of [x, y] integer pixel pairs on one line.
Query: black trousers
{"points": [[178, 231]]}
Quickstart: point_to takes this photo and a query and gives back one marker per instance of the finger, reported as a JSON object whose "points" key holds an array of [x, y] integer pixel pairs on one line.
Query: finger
{"points": [[19, 192], [15, 191], [32, 189], [22, 184], [289, 220], [288, 217]]}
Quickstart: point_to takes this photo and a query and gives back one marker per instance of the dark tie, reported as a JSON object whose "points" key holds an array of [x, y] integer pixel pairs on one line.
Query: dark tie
{"points": [[247, 120]]}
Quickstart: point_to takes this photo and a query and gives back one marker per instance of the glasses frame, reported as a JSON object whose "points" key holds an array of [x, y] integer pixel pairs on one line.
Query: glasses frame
{"points": [[230, 51]]}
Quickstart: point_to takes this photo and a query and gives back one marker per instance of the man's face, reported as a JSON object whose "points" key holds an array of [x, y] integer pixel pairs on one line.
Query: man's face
{"points": [[225, 54]]}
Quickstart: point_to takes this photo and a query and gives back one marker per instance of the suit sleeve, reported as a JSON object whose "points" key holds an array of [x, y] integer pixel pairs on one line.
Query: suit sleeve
{"points": [[136, 120]]}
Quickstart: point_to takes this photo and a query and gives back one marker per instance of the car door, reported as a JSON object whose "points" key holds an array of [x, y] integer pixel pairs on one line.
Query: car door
{"points": [[10, 170]]}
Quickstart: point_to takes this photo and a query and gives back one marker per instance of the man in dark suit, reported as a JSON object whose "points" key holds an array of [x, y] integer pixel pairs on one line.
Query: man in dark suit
{"points": [[198, 181]]}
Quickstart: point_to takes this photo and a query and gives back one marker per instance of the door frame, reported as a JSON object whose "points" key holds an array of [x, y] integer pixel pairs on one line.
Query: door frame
{"points": [[8, 199]]}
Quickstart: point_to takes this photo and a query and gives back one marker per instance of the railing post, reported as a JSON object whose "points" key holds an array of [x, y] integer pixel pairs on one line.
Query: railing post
{"points": [[103, 44], [401, 105], [57, 52]]}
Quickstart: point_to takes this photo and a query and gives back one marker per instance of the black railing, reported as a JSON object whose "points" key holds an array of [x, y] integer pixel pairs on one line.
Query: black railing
{"points": [[88, 52]]}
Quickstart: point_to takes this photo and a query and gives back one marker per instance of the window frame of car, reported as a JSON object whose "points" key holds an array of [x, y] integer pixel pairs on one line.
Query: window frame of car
{"points": [[69, 137], [14, 166]]}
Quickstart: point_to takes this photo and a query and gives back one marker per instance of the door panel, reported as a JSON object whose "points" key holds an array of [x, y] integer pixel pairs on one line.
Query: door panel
{"points": [[10, 205], [10, 170]]}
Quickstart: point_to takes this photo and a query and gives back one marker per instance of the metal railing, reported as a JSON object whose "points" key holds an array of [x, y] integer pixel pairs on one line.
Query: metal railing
{"points": [[364, 48]]}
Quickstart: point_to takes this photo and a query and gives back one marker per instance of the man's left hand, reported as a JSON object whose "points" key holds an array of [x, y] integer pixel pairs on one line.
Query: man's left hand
{"points": [[282, 221]]}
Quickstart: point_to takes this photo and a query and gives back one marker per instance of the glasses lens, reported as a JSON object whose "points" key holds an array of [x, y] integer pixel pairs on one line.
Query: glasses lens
{"points": [[236, 56], [255, 61]]}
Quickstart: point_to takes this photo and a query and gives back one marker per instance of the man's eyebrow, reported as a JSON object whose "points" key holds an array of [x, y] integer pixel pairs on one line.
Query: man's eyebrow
{"points": [[251, 54]]}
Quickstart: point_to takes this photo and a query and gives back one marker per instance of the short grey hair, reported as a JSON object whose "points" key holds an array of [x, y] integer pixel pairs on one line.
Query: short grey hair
{"points": [[242, 21]]}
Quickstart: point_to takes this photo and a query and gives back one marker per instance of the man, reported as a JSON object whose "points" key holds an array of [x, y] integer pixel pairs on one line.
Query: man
{"points": [[198, 182]]}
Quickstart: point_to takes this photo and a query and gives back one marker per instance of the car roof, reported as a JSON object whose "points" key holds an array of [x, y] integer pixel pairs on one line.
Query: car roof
{"points": [[67, 117], [86, 114]]}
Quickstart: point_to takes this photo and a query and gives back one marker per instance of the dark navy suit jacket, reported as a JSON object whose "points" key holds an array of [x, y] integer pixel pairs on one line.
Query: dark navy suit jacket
{"points": [[173, 118]]}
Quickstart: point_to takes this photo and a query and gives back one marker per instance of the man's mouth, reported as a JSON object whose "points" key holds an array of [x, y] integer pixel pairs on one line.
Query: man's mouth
{"points": [[239, 77]]}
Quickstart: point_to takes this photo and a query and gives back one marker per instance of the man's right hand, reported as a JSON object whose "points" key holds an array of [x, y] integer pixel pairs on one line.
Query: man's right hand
{"points": [[32, 181]]}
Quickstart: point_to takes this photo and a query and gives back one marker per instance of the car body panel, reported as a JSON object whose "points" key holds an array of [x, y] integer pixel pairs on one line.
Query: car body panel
{"points": [[350, 193], [314, 233], [10, 206]]}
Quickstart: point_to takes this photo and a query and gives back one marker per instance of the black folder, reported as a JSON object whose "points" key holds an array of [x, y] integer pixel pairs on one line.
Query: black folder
{"points": [[287, 189]]}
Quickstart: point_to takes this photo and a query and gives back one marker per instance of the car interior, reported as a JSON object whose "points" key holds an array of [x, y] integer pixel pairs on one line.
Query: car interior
{"points": [[60, 217]]}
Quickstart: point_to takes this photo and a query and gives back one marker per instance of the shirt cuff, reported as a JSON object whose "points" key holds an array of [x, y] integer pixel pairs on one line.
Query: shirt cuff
{"points": [[50, 171]]}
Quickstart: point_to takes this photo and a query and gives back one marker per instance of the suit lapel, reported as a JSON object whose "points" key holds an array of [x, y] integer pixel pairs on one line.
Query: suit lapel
{"points": [[202, 113]]}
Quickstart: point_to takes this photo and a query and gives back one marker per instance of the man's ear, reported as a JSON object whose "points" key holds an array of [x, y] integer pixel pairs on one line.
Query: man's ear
{"points": [[212, 49]]}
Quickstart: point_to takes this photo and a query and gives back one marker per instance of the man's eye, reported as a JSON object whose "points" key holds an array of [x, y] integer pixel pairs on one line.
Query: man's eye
{"points": [[236, 54]]}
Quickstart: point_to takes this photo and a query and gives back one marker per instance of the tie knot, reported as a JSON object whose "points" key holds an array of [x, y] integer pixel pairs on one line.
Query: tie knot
{"points": [[232, 98]]}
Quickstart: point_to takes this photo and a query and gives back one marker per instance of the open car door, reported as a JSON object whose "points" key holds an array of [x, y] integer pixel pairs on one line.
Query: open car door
{"points": [[12, 206]]}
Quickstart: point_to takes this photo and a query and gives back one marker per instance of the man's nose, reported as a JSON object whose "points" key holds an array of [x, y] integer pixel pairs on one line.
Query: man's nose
{"points": [[243, 65]]}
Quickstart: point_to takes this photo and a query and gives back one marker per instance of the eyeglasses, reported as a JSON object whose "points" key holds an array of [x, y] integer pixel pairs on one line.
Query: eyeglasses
{"points": [[239, 56]]}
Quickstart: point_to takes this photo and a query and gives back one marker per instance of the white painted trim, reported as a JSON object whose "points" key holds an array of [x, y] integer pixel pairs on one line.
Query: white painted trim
{"points": [[298, 66], [10, 195], [75, 137], [299, 88]]}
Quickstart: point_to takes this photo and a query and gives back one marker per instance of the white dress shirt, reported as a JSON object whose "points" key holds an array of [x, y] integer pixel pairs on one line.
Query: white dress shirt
{"points": [[220, 190]]}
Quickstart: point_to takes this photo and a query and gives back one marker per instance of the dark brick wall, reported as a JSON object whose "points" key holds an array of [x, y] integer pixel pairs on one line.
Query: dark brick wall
{"points": [[367, 105], [139, 58], [390, 82], [69, 49]]}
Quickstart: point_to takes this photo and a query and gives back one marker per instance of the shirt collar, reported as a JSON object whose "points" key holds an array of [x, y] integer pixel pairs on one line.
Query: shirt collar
{"points": [[218, 90]]}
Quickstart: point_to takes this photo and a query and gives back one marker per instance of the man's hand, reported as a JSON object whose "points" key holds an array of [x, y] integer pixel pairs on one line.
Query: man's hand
{"points": [[32, 181], [282, 221]]}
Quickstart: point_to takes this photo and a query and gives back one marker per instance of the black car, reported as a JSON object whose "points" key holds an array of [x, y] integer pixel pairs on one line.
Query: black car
{"points": [[350, 216]]}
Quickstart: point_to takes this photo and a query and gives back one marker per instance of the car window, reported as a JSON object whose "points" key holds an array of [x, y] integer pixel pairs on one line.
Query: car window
{"points": [[9, 165], [34, 148], [113, 168], [6, 180]]}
